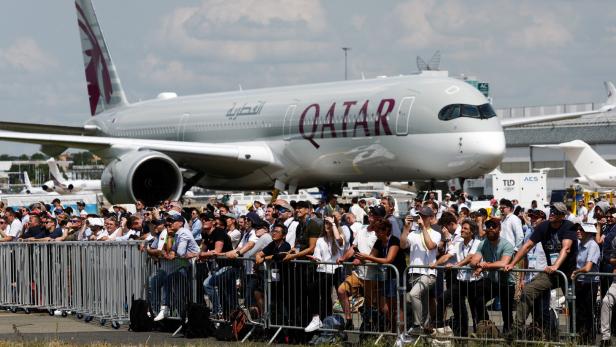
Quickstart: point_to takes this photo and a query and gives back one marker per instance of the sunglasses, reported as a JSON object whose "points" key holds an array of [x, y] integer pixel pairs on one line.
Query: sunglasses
{"points": [[2, 222], [490, 225], [75, 220]]}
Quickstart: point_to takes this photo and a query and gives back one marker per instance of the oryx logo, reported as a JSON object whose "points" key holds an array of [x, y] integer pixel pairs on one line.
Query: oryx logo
{"points": [[97, 65]]}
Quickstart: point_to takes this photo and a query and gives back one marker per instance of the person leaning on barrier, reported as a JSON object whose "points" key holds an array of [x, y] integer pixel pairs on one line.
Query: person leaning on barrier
{"points": [[386, 250], [586, 287], [422, 244], [14, 227], [221, 276], [158, 236], [607, 232], [274, 252], [328, 249], [35, 230], [179, 244], [286, 216], [98, 231], [559, 242], [608, 302], [359, 279], [493, 253]]}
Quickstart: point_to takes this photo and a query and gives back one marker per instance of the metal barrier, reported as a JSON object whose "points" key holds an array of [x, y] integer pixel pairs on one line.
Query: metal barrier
{"points": [[299, 290], [94, 279], [592, 306], [451, 303]]}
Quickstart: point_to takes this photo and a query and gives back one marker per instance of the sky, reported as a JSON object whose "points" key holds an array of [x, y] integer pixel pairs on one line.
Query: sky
{"points": [[531, 52]]}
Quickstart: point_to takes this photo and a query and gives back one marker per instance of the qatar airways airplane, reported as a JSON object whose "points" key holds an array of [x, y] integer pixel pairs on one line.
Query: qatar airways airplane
{"points": [[422, 126]]}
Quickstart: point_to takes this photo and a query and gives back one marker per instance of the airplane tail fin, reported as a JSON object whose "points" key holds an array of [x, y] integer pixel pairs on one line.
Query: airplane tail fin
{"points": [[584, 159], [56, 176], [104, 86], [27, 181], [611, 96]]}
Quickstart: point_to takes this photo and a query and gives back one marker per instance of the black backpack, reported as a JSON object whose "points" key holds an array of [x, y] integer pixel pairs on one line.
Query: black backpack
{"points": [[141, 316], [197, 322]]}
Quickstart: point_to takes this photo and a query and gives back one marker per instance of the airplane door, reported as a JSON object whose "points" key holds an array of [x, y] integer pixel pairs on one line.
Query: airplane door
{"points": [[288, 122], [403, 116], [182, 126]]}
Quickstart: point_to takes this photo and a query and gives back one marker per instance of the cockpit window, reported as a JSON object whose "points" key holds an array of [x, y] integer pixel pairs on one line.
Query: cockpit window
{"points": [[454, 111]]}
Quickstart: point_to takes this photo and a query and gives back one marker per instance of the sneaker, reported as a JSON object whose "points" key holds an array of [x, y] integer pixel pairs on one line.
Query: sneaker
{"points": [[164, 313], [356, 303], [315, 324]]}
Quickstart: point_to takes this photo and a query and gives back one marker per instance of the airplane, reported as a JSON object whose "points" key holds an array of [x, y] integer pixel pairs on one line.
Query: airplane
{"points": [[596, 173], [60, 185], [28, 188], [423, 126]]}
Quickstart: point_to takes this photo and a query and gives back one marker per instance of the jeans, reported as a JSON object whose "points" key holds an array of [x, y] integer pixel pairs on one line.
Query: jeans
{"points": [[459, 293], [161, 279], [418, 296], [487, 290], [221, 280]]}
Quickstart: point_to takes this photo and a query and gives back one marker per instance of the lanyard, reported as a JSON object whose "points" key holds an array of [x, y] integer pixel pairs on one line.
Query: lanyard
{"points": [[470, 247]]}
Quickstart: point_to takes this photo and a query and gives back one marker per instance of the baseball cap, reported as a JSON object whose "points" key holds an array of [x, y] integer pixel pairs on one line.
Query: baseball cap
{"points": [[175, 218], [230, 215], [303, 204], [558, 208], [158, 221], [426, 211], [378, 211], [286, 206]]}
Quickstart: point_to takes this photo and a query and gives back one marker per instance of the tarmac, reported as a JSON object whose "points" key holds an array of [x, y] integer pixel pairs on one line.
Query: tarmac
{"points": [[41, 327]]}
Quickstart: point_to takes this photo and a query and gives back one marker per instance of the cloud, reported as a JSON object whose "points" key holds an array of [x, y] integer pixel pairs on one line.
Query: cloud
{"points": [[544, 31], [248, 31], [25, 54]]}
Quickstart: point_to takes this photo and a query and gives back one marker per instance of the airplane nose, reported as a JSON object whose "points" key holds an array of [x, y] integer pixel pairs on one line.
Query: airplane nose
{"points": [[491, 149]]}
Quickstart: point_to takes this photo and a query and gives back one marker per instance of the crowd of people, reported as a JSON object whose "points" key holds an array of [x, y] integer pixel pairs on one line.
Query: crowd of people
{"points": [[455, 257]]}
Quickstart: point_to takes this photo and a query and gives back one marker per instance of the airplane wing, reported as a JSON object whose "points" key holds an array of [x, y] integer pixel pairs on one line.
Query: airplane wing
{"points": [[252, 156], [610, 104], [45, 128]]}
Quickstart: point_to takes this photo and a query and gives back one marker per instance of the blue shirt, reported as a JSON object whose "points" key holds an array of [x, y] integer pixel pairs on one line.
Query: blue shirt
{"points": [[588, 251], [184, 242], [196, 229]]}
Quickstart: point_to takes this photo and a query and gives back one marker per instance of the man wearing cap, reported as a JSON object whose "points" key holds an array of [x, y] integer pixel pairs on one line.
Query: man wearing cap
{"points": [[422, 244], [286, 216], [180, 244], [559, 241], [221, 276], [586, 287], [492, 254]]}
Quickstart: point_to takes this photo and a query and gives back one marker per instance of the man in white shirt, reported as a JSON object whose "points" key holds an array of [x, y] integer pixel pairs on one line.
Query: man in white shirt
{"points": [[511, 225], [234, 233], [358, 210], [582, 211], [422, 245], [15, 228], [590, 217]]}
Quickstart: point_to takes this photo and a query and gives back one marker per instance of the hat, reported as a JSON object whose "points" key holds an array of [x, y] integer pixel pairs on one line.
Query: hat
{"points": [[175, 204], [303, 204], [493, 201], [378, 211], [96, 222], [447, 194], [158, 221], [286, 206], [254, 219], [120, 207], [589, 228], [482, 212], [426, 211], [81, 203], [175, 218], [206, 216], [493, 222], [173, 213], [559, 207], [249, 205], [230, 215]]}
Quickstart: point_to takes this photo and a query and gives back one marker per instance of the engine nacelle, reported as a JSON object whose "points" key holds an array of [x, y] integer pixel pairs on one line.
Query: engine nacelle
{"points": [[148, 176]]}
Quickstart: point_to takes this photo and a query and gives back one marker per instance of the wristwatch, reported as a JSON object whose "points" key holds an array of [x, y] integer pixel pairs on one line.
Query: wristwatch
{"points": [[238, 253]]}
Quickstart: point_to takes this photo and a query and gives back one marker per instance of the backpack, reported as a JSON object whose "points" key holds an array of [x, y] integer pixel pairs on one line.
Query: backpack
{"points": [[239, 326], [486, 329], [141, 316], [334, 322], [197, 322]]}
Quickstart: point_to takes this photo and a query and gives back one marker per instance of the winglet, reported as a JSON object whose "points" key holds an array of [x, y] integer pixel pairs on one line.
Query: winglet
{"points": [[610, 104]]}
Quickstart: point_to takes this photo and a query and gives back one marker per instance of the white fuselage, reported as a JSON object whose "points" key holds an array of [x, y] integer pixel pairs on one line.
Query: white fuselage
{"points": [[367, 130]]}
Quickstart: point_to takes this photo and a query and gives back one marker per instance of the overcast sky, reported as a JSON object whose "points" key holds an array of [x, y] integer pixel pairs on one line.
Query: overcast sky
{"points": [[531, 52]]}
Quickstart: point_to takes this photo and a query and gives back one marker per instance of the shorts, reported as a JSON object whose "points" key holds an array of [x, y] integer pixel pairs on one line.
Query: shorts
{"points": [[353, 284]]}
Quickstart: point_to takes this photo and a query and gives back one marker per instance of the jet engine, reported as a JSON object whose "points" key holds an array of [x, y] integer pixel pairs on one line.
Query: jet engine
{"points": [[142, 175]]}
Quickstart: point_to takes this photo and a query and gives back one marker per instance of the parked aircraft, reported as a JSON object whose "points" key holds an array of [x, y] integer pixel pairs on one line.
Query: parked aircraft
{"points": [[28, 188], [63, 186], [423, 126], [595, 172]]}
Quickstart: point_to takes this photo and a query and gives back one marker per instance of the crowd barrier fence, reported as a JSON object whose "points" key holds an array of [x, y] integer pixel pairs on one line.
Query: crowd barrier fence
{"points": [[99, 280]]}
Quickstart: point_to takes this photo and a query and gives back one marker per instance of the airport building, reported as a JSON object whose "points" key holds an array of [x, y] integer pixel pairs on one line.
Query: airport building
{"points": [[596, 130]]}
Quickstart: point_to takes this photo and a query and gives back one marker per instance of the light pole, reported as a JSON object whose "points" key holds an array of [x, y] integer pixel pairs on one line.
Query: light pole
{"points": [[346, 50]]}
